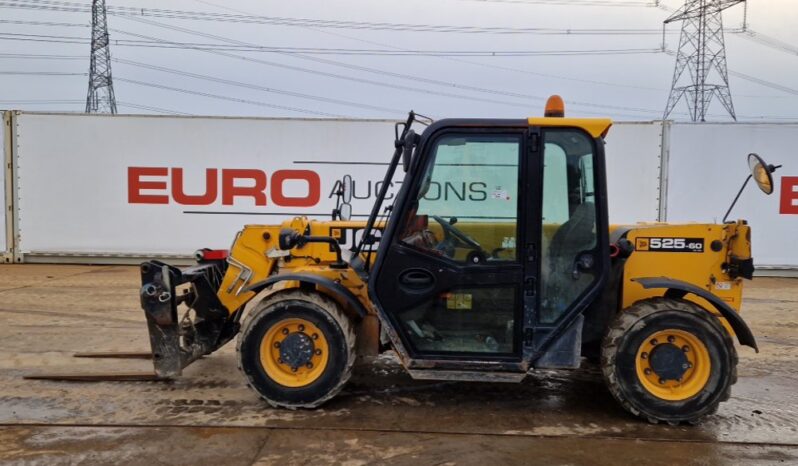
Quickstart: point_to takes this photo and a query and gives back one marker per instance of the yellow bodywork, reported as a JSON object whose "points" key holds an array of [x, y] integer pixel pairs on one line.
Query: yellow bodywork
{"points": [[255, 256], [704, 270], [596, 127]]}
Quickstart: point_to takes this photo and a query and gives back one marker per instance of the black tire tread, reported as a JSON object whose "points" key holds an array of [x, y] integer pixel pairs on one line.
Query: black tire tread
{"points": [[625, 320], [263, 308]]}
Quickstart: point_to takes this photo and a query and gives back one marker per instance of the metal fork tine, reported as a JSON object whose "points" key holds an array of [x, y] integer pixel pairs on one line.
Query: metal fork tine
{"points": [[115, 355], [108, 377]]}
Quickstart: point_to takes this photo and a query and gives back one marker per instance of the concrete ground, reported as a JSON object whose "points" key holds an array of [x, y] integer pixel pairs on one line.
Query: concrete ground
{"points": [[209, 416]]}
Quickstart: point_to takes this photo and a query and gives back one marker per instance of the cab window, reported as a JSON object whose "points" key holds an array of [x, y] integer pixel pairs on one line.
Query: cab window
{"points": [[568, 227], [467, 206]]}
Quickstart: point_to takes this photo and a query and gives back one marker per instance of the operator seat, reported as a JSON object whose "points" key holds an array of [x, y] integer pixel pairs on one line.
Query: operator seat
{"points": [[576, 235]]}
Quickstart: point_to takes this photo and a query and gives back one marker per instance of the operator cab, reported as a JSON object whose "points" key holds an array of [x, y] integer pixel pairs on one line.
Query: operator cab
{"points": [[497, 240]]}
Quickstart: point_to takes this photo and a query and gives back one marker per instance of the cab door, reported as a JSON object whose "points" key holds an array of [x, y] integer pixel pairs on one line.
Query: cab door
{"points": [[573, 238], [452, 277]]}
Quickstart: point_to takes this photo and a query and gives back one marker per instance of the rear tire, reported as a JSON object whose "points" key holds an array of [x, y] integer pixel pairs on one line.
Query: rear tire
{"points": [[296, 349], [668, 360]]}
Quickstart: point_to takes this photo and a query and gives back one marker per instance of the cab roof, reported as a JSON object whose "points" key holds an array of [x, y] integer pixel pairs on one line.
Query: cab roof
{"points": [[596, 127]]}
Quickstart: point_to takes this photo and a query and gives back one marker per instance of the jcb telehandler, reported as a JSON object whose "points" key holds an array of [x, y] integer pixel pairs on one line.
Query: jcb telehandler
{"points": [[523, 271]]}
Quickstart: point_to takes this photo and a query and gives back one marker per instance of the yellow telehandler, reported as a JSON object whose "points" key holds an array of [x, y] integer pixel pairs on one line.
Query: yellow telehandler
{"points": [[494, 258]]}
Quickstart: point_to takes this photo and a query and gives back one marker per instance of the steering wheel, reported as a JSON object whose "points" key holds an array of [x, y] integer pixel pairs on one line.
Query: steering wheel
{"points": [[453, 237]]}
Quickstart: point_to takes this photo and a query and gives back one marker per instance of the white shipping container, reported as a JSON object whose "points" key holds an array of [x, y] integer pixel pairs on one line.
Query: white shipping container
{"points": [[708, 164], [131, 185], [633, 171], [135, 186]]}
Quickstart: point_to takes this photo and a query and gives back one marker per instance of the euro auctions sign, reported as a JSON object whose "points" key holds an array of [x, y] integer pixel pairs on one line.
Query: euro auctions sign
{"points": [[788, 204]]}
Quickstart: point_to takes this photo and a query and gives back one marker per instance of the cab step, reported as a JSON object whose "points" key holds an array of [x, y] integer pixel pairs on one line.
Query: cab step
{"points": [[467, 376]]}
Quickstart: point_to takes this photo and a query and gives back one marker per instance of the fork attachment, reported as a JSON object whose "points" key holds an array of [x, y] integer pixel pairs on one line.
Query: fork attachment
{"points": [[175, 342]]}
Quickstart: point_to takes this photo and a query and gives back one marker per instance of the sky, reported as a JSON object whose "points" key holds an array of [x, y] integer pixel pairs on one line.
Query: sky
{"points": [[344, 82]]}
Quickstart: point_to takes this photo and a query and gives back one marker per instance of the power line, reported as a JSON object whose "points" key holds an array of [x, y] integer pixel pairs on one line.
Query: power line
{"points": [[334, 24], [773, 85], [413, 78], [164, 111], [76, 102], [31, 56], [41, 73], [761, 82], [348, 78], [457, 60], [328, 51], [768, 41], [764, 83], [230, 99], [44, 38], [605, 3], [257, 87], [42, 23], [198, 46], [40, 102]]}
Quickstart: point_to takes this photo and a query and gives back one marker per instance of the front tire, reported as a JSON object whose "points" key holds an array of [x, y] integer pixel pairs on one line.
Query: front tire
{"points": [[296, 349], [668, 360]]}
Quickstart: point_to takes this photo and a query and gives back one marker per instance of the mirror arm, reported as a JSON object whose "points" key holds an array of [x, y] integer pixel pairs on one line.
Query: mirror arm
{"points": [[339, 262], [290, 239], [375, 209], [736, 198]]}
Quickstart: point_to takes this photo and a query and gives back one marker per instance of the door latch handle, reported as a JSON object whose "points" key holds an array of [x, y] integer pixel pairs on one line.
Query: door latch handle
{"points": [[529, 286], [583, 262], [531, 253], [416, 279]]}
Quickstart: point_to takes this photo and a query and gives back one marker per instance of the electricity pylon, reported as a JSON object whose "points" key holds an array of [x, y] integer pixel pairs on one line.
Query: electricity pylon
{"points": [[700, 73], [100, 98]]}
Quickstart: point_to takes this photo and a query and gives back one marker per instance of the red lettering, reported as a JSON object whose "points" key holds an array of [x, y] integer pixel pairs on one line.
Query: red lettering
{"points": [[310, 177], [789, 195], [211, 188], [135, 185], [230, 190]]}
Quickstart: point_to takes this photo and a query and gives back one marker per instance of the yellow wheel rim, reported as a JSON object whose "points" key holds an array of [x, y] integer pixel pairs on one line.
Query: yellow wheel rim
{"points": [[294, 352], [673, 375]]}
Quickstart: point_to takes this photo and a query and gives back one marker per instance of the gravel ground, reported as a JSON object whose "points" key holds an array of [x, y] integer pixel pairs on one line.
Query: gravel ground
{"points": [[209, 416]]}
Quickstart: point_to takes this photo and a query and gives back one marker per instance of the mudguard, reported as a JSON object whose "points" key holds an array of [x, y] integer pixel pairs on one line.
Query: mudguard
{"points": [[339, 289], [677, 289]]}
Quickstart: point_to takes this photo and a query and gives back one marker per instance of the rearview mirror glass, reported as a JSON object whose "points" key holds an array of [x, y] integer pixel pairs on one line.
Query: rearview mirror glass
{"points": [[346, 189], [346, 212], [761, 172]]}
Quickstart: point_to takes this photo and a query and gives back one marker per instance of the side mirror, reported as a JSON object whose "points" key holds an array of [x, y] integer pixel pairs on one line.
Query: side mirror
{"points": [[407, 150], [345, 212], [346, 189], [761, 173]]}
